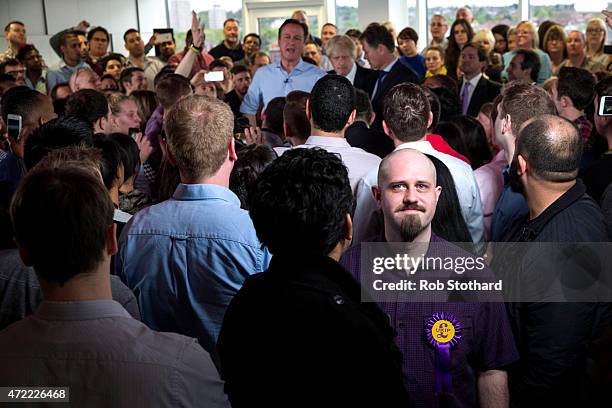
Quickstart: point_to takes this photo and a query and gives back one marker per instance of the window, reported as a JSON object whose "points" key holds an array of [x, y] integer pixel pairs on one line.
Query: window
{"points": [[346, 15], [572, 15]]}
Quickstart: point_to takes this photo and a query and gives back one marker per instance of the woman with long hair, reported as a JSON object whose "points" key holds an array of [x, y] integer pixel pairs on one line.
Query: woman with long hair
{"points": [[461, 33], [554, 45], [596, 34]]}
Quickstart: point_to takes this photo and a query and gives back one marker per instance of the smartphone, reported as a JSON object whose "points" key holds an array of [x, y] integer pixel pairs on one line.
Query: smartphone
{"points": [[13, 125], [605, 106], [214, 76], [607, 49], [163, 37], [133, 132]]}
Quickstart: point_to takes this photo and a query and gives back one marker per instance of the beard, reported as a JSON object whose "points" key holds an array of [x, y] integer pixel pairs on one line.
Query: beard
{"points": [[514, 179], [411, 227]]}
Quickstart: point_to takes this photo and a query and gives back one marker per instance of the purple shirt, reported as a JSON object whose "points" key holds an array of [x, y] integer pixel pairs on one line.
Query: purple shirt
{"points": [[486, 341]]}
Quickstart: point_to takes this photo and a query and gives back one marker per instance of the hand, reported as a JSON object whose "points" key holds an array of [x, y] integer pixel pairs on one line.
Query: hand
{"points": [[198, 78], [153, 40], [82, 26], [197, 30], [253, 136], [608, 15], [144, 146]]}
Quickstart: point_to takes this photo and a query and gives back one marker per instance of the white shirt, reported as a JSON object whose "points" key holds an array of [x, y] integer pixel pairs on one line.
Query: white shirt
{"points": [[357, 161], [351, 75], [473, 82], [467, 189]]}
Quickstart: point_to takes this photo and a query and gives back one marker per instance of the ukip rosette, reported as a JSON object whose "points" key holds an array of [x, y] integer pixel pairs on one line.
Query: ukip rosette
{"points": [[443, 332]]}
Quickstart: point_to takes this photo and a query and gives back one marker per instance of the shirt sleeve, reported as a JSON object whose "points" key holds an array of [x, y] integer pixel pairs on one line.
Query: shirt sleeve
{"points": [[253, 97], [495, 346], [364, 224]]}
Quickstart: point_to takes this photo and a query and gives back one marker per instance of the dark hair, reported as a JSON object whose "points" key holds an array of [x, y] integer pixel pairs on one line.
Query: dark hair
{"points": [[171, 88], [442, 81], [294, 115], [129, 153], [475, 140], [482, 54], [363, 105], [102, 62], [406, 112], [87, 104], [448, 222], [7, 77], [408, 33], [252, 35], [239, 69], [332, 100], [542, 29], [128, 32], [56, 87], [501, 29], [376, 34], [228, 20], [61, 132], [604, 87], [168, 69], [109, 76], [59, 106], [274, 115], [353, 33], [552, 145], [252, 160], [577, 84], [20, 100], [530, 60], [218, 63], [295, 22], [61, 216], [451, 133], [72, 33], [434, 105], [126, 74], [453, 51], [8, 62], [147, 103], [257, 54], [111, 158], [98, 29], [300, 202], [8, 26], [23, 51]]}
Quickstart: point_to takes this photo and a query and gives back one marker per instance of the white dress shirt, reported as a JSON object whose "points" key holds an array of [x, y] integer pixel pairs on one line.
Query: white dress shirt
{"points": [[364, 224], [473, 82], [357, 161], [351, 75]]}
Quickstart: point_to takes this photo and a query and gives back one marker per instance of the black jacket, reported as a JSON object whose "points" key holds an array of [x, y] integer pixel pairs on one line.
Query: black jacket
{"points": [[398, 75], [553, 338], [485, 91], [299, 335], [370, 140], [365, 79]]}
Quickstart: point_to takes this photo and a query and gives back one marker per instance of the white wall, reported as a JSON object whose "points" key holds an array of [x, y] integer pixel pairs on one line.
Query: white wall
{"points": [[43, 18]]}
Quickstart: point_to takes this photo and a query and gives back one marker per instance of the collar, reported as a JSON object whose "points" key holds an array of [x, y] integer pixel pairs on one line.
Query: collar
{"points": [[62, 65], [300, 67], [327, 141], [389, 67], [474, 81], [84, 310], [193, 192], [422, 146], [351, 75]]}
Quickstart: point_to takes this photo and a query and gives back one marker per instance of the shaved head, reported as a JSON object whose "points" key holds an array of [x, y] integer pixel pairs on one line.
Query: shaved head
{"points": [[404, 155]]}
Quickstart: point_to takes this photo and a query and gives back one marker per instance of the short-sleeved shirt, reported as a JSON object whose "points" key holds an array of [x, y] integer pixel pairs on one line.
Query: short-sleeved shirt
{"points": [[236, 54], [61, 73], [272, 80], [486, 341]]}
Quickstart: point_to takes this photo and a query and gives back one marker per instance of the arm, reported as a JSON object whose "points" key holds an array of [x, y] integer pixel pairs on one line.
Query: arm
{"points": [[197, 29], [252, 120], [493, 389]]}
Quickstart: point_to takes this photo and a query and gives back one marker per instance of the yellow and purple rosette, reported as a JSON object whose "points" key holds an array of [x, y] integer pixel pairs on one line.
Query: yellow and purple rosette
{"points": [[443, 332]]}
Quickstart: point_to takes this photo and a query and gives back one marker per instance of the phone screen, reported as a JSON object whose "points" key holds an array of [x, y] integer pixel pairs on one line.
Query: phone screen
{"points": [[605, 106], [13, 125], [214, 76]]}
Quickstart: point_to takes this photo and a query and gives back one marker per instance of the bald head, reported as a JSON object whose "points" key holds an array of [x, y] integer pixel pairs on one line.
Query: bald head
{"points": [[552, 147], [407, 160]]}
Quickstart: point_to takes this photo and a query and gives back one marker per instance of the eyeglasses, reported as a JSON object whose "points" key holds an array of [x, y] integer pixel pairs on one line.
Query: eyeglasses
{"points": [[595, 30]]}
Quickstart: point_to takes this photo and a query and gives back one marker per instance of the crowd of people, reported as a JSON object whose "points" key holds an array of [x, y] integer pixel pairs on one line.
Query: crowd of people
{"points": [[187, 229]]}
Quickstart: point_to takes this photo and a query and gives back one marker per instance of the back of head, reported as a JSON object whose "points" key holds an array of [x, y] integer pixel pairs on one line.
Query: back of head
{"points": [[406, 112], [130, 154], [62, 132], [300, 202], [577, 84], [111, 160], [475, 140], [295, 120], [87, 104], [252, 160], [61, 215], [451, 133], [331, 102], [171, 88], [376, 34], [363, 105], [199, 131], [523, 101], [115, 99], [434, 105], [22, 101], [604, 87], [274, 115], [552, 147]]}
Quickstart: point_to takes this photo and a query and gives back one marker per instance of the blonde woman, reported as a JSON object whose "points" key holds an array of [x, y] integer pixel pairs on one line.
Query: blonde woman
{"points": [[486, 40], [596, 34], [527, 38], [434, 61]]}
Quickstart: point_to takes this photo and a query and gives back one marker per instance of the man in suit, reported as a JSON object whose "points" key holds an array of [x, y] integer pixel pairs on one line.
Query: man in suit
{"points": [[342, 54], [476, 89], [379, 48], [361, 135]]}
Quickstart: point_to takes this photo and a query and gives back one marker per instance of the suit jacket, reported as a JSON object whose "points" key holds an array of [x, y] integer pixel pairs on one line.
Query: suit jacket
{"points": [[365, 79], [370, 140], [485, 91], [398, 74]]}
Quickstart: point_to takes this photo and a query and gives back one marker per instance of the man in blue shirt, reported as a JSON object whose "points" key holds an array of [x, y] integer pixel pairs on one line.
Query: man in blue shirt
{"points": [[521, 102], [187, 257], [291, 74], [70, 63]]}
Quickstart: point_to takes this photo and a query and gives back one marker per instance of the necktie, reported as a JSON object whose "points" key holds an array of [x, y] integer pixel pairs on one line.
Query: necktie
{"points": [[381, 77], [465, 98]]}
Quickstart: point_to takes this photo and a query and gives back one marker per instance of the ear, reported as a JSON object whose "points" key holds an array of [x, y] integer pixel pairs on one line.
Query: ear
{"points": [[308, 112], [522, 165], [429, 119], [566, 102], [438, 191], [286, 130], [351, 118], [387, 130], [506, 125], [373, 118], [112, 247], [377, 196], [348, 229], [170, 156], [232, 151], [24, 254]]}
